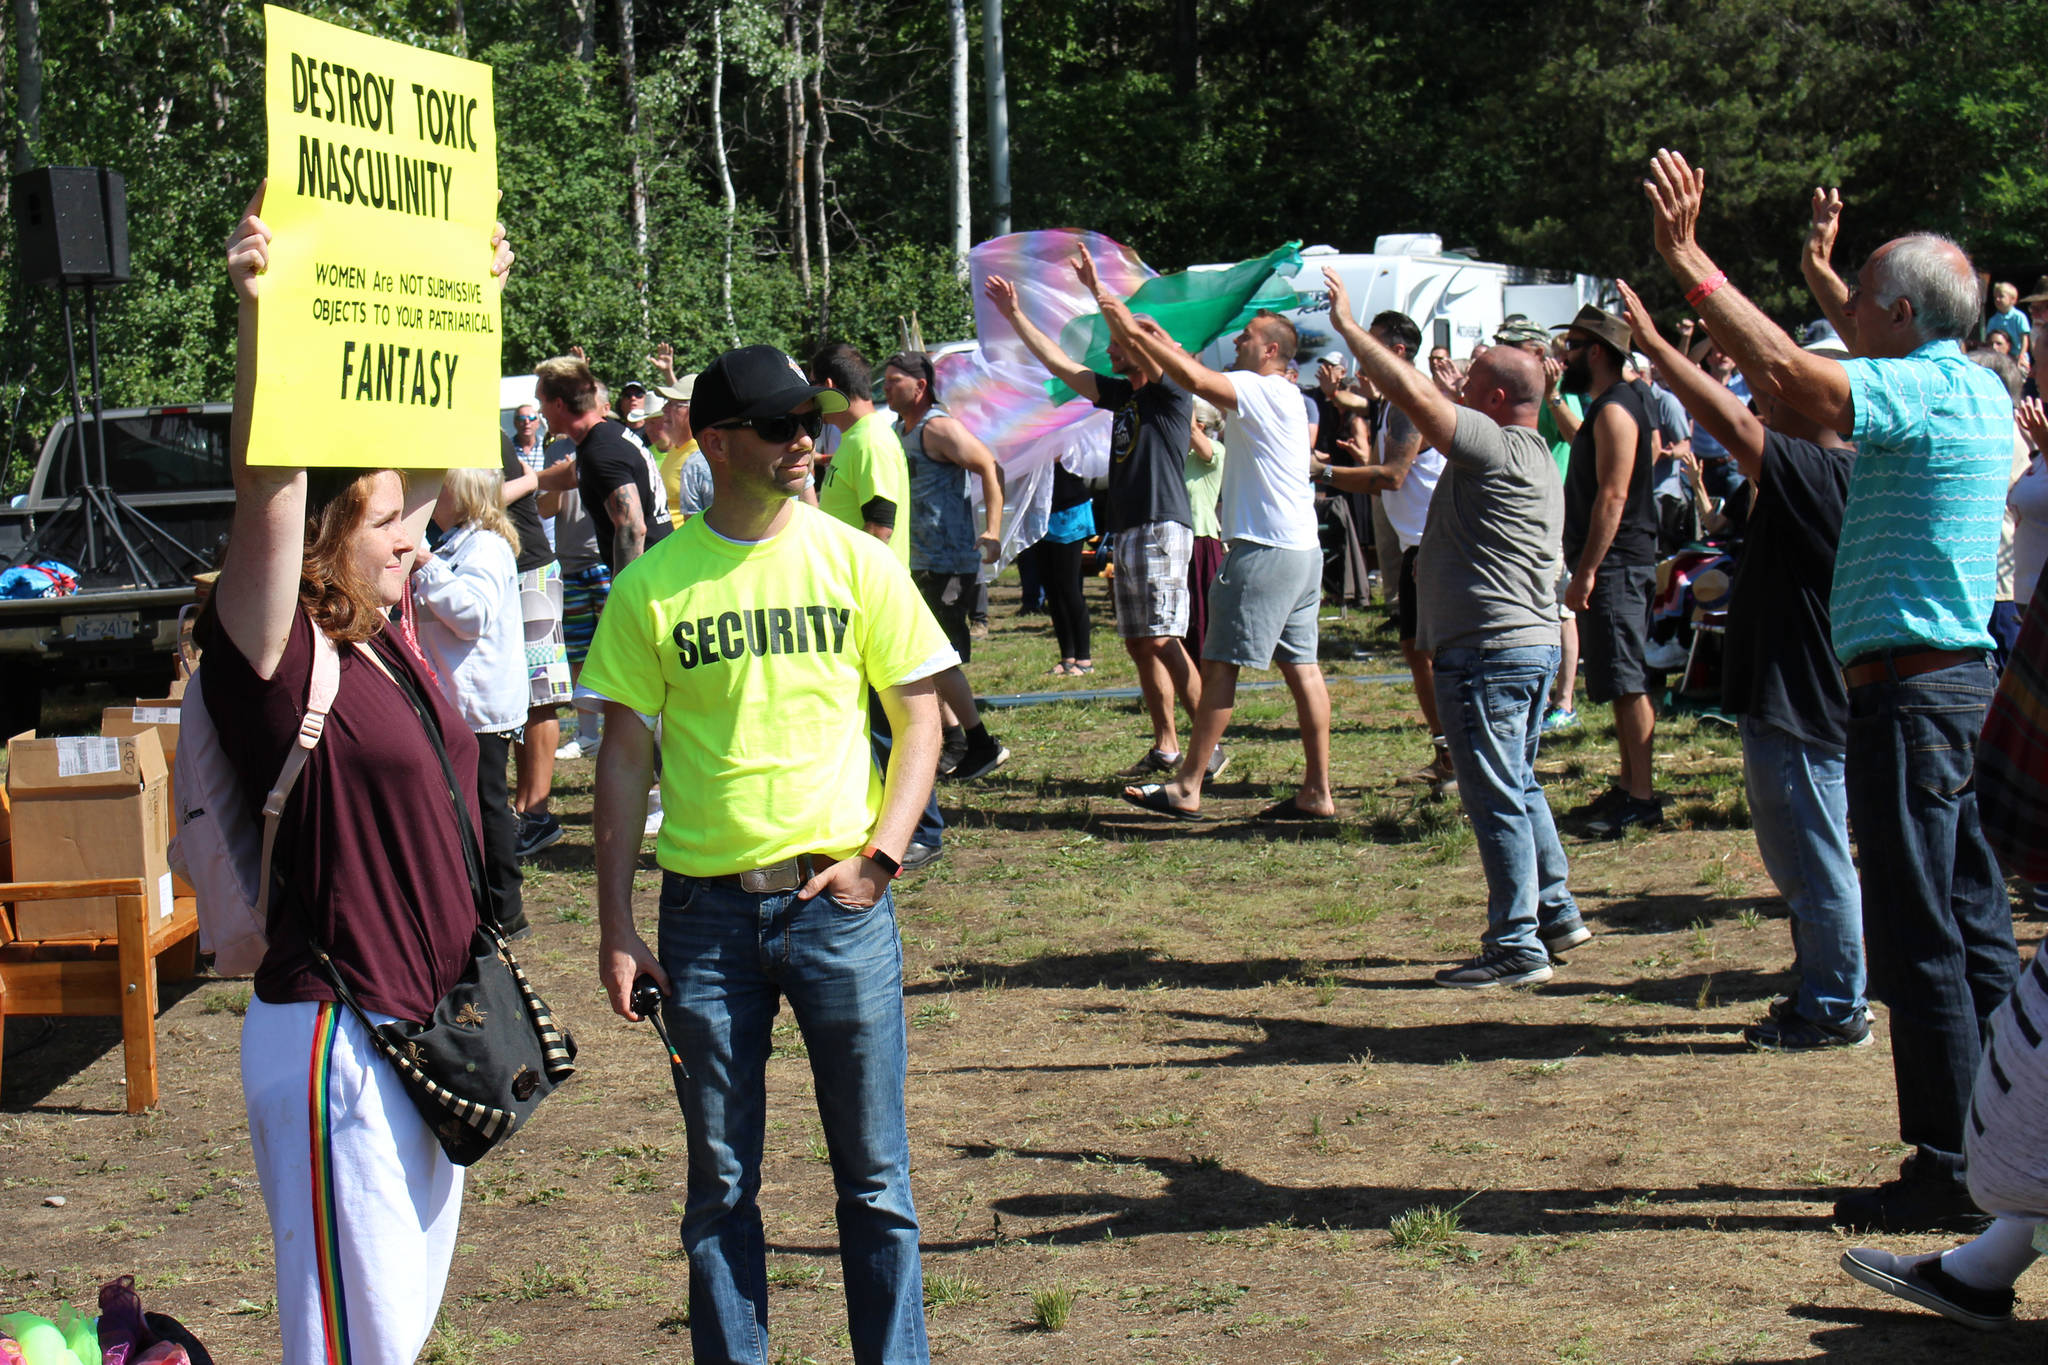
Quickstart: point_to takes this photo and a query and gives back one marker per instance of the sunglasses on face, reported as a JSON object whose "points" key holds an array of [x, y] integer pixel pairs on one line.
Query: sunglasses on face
{"points": [[780, 431], [526, 419], [1577, 343]]}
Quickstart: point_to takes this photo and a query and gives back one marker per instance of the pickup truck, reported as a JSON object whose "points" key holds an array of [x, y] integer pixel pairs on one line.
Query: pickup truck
{"points": [[170, 464]]}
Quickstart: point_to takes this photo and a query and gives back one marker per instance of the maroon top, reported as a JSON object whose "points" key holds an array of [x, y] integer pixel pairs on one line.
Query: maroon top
{"points": [[369, 847]]}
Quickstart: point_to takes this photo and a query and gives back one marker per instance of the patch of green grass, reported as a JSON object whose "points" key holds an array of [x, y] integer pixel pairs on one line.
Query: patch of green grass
{"points": [[1156, 1119], [1207, 1298], [948, 1291], [932, 1012], [790, 1275], [1430, 1232], [1051, 1307], [235, 1001]]}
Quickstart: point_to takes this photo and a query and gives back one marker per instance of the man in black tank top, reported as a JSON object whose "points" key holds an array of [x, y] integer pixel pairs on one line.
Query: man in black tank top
{"points": [[1610, 546]]}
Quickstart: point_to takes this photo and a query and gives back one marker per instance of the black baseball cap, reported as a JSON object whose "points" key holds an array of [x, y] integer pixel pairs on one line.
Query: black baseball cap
{"points": [[754, 381], [631, 387]]}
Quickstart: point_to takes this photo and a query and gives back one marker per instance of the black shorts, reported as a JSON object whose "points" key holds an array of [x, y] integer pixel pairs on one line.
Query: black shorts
{"points": [[1614, 630], [951, 597], [1409, 609]]}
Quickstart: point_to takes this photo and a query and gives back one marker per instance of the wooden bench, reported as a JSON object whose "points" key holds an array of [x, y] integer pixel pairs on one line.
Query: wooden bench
{"points": [[99, 976]]}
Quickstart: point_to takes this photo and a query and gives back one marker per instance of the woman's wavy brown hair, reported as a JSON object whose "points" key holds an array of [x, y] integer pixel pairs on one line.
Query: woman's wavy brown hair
{"points": [[330, 588]]}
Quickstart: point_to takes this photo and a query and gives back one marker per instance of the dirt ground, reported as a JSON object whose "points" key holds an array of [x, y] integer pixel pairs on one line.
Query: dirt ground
{"points": [[1189, 1082]]}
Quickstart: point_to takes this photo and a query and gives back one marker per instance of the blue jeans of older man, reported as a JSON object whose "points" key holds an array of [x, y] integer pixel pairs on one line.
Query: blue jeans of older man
{"points": [[1936, 924], [732, 956], [1799, 808], [1490, 703]]}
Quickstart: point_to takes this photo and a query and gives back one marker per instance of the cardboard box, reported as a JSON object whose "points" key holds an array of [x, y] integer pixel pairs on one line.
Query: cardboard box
{"points": [[88, 807], [160, 715]]}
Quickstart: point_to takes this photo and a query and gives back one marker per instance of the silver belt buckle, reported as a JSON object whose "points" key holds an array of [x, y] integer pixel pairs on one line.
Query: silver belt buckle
{"points": [[782, 876]]}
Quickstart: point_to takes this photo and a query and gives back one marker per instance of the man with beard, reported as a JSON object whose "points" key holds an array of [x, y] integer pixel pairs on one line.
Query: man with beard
{"points": [[1610, 545], [1152, 527]]}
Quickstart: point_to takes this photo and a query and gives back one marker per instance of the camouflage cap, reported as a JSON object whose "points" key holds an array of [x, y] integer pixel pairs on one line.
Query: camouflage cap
{"points": [[1516, 330]]}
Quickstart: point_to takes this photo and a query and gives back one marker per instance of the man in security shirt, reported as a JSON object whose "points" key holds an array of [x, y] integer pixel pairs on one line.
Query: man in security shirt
{"points": [[753, 633]]}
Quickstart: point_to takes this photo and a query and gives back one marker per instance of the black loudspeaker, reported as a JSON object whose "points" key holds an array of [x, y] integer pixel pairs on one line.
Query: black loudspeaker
{"points": [[73, 225]]}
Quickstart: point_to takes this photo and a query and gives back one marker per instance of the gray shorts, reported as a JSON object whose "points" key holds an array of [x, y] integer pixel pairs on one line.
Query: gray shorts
{"points": [[1615, 630], [1263, 606], [1151, 582]]}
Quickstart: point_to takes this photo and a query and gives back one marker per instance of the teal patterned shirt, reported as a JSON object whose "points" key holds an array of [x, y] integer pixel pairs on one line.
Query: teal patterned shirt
{"points": [[1917, 567]]}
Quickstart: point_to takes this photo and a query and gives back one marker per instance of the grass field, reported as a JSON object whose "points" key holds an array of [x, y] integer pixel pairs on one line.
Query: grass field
{"points": [[1179, 1093]]}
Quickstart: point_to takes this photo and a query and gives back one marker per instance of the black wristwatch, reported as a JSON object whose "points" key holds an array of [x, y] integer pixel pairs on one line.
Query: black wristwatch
{"points": [[883, 861]]}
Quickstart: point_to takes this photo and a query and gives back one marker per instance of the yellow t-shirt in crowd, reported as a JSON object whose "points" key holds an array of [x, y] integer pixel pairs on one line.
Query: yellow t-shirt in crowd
{"points": [[672, 471], [869, 464], [758, 659]]}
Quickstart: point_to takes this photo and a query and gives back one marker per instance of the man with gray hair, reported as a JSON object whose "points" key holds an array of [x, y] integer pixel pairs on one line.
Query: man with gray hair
{"points": [[1912, 591]]}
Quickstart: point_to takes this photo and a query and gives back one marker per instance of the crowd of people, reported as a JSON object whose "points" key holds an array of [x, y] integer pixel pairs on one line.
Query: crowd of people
{"points": [[764, 651]]}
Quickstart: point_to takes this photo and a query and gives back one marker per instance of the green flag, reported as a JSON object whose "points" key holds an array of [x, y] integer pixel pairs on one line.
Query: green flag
{"points": [[1193, 306]]}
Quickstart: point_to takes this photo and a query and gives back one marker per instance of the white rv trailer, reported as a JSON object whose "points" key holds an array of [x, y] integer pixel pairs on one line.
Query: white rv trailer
{"points": [[1456, 301]]}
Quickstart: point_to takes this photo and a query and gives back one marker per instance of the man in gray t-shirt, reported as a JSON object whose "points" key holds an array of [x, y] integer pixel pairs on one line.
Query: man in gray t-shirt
{"points": [[1485, 576]]}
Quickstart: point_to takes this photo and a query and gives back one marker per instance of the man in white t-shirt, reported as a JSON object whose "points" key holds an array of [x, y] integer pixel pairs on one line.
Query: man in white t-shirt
{"points": [[1262, 609]]}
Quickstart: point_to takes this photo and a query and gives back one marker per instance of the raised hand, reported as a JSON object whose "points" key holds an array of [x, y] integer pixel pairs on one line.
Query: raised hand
{"points": [[1827, 223], [1446, 375], [501, 256], [1002, 294], [249, 249], [1638, 317], [1084, 267], [1340, 298], [664, 362], [2033, 421], [577, 352], [1553, 375], [1675, 191]]}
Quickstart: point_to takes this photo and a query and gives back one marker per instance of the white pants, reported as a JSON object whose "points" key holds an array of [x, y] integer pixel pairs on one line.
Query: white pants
{"points": [[363, 1202]]}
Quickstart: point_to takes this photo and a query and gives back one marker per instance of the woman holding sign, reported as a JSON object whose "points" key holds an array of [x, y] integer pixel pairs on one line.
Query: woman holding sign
{"points": [[362, 1201]]}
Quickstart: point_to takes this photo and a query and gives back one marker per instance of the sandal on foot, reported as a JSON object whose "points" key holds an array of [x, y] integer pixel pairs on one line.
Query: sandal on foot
{"points": [[1152, 797]]}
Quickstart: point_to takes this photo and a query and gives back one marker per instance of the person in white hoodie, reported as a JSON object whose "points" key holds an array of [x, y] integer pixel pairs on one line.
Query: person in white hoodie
{"points": [[471, 628]]}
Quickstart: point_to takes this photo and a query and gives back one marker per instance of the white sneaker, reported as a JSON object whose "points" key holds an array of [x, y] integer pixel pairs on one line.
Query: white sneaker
{"points": [[1668, 657], [570, 750], [653, 826]]}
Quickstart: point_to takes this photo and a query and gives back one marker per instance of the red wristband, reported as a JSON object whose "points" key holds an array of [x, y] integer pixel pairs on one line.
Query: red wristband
{"points": [[1705, 287]]}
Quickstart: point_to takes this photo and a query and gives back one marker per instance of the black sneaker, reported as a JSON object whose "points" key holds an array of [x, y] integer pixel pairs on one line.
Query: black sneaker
{"points": [[536, 832], [1920, 1279], [1598, 805], [1626, 814], [920, 855], [1566, 933], [1914, 1202], [980, 761], [1784, 1029], [1496, 967]]}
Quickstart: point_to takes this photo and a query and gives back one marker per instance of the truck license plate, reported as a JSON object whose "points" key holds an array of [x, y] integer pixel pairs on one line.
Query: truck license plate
{"points": [[86, 629]]}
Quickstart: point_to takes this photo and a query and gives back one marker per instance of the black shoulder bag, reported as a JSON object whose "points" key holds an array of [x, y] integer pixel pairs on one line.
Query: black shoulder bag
{"points": [[492, 1051]]}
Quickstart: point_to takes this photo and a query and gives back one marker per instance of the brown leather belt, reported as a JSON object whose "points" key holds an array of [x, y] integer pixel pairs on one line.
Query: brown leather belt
{"points": [[1870, 668], [788, 875]]}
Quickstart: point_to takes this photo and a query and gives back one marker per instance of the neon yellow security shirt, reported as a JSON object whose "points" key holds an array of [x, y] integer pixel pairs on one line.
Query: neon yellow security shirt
{"points": [[758, 659], [869, 463]]}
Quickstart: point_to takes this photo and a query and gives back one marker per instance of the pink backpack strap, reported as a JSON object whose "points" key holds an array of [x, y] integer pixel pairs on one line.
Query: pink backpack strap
{"points": [[319, 701]]}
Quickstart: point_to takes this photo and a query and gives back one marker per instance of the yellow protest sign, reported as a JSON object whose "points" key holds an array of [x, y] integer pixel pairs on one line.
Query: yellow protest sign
{"points": [[378, 329]]}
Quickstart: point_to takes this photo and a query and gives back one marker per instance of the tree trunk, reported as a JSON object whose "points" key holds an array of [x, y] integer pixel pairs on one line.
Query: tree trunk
{"points": [[461, 31], [998, 99], [963, 229], [636, 178], [732, 328], [28, 56], [821, 134], [582, 33], [796, 144]]}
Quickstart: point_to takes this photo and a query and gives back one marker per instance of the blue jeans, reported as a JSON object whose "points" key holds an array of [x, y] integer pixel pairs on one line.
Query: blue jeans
{"points": [[1799, 808], [1490, 703], [731, 956], [1936, 924]]}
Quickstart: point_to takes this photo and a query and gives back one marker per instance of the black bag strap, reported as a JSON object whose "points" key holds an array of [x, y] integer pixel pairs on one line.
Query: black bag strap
{"points": [[472, 855]]}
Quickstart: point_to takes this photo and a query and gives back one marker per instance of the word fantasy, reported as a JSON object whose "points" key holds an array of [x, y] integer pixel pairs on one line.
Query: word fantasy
{"points": [[389, 372]]}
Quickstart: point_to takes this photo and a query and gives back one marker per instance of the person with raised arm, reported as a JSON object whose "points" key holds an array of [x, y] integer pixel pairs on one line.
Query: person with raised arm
{"points": [[370, 870], [1485, 580], [1913, 583], [1264, 604], [1779, 676], [1152, 536]]}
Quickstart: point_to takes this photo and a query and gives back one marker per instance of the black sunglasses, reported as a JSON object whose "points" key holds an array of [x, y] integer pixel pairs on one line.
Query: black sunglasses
{"points": [[1577, 343], [781, 430]]}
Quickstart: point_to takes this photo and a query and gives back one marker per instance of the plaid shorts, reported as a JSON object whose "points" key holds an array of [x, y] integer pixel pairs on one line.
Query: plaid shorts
{"points": [[547, 656], [1151, 581], [583, 597]]}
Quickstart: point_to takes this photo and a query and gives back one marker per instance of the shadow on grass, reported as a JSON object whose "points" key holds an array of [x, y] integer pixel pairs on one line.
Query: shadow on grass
{"points": [[1201, 1195], [1287, 1042], [1137, 968]]}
